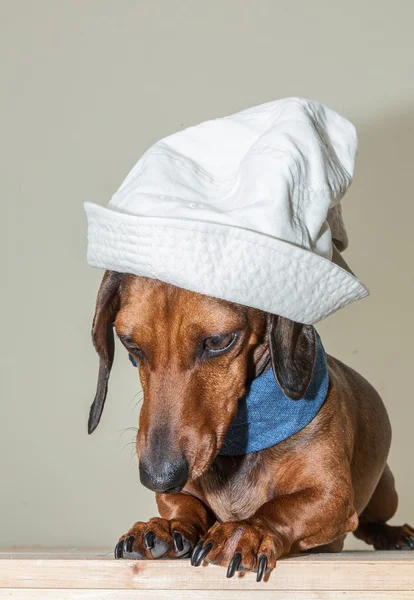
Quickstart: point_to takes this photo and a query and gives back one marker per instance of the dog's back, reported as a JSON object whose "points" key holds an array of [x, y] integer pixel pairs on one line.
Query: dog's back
{"points": [[360, 403]]}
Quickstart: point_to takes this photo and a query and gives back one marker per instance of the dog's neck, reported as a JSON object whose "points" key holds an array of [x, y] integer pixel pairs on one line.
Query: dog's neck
{"points": [[266, 416]]}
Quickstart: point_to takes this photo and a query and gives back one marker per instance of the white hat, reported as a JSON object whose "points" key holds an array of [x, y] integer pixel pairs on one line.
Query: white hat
{"points": [[243, 208]]}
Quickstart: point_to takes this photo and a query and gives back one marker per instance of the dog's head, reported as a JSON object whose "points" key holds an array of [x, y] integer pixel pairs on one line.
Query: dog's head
{"points": [[196, 355]]}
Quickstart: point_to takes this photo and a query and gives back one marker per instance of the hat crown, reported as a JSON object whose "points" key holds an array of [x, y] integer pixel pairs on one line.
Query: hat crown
{"points": [[279, 169]]}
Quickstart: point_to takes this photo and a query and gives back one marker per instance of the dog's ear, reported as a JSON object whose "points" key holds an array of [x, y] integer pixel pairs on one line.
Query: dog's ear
{"points": [[293, 353], [107, 306]]}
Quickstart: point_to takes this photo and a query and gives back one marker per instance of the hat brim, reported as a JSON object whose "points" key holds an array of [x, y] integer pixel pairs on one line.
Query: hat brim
{"points": [[222, 261]]}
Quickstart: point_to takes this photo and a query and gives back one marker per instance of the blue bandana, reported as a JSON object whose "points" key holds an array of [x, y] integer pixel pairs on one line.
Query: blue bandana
{"points": [[266, 416]]}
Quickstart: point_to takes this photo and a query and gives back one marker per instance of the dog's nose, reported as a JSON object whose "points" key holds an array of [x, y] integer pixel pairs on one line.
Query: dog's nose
{"points": [[168, 478]]}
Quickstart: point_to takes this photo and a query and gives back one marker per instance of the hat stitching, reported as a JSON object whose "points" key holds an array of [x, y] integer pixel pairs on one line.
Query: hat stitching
{"points": [[338, 303], [283, 154], [331, 265], [126, 244], [324, 278], [308, 316], [208, 177], [200, 170]]}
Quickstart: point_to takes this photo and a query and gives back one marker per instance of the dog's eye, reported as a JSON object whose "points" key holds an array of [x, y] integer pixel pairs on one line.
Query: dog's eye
{"points": [[132, 347], [219, 343]]}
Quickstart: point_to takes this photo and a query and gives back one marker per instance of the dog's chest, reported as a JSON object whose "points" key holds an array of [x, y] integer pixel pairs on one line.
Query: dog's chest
{"points": [[234, 488]]}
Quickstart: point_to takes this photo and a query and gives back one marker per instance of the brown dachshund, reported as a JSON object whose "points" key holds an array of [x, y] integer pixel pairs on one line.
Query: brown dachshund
{"points": [[196, 356]]}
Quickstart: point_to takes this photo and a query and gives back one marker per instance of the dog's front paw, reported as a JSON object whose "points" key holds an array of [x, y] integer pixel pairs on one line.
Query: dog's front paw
{"points": [[159, 538], [240, 546]]}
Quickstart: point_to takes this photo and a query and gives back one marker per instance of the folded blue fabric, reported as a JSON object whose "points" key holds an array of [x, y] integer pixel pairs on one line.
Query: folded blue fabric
{"points": [[266, 416]]}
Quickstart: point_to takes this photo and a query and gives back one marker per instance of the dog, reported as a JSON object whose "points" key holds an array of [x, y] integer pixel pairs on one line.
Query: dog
{"points": [[197, 356]]}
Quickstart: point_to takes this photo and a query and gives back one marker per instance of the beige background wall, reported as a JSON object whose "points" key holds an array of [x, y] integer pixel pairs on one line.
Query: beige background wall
{"points": [[87, 86]]}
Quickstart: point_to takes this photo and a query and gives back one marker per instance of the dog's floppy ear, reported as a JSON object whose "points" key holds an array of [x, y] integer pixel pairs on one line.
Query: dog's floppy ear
{"points": [[107, 306], [293, 353]]}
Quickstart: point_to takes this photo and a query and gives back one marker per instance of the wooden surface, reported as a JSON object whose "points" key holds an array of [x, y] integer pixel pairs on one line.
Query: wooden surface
{"points": [[81, 575]]}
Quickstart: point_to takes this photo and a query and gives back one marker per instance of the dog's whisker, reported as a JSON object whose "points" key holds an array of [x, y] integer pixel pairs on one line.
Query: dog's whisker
{"points": [[134, 455], [135, 395], [135, 429], [139, 401], [131, 443], [139, 393]]}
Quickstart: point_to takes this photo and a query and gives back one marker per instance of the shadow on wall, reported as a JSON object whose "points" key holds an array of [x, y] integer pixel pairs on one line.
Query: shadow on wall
{"points": [[379, 212]]}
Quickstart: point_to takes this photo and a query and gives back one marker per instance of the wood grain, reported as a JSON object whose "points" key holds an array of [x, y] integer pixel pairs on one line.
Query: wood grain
{"points": [[41, 594], [95, 575]]}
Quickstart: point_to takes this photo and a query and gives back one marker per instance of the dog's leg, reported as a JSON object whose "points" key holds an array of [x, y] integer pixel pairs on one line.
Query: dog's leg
{"points": [[184, 520], [335, 546], [287, 524], [382, 506]]}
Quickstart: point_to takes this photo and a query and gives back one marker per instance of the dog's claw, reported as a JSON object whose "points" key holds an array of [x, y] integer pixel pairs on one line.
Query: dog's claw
{"points": [[178, 541], [149, 538], [119, 549], [195, 552], [261, 568], [202, 554], [128, 542], [409, 541], [234, 564]]}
